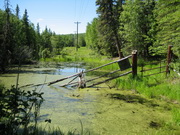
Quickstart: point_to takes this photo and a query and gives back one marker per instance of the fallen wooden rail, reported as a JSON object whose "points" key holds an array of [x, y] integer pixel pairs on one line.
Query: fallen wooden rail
{"points": [[154, 74], [108, 64], [70, 83], [103, 75], [93, 78], [62, 79], [64, 85], [152, 69], [109, 79]]}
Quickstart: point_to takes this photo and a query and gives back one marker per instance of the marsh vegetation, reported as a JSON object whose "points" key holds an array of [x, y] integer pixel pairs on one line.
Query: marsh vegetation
{"points": [[125, 105], [30, 59]]}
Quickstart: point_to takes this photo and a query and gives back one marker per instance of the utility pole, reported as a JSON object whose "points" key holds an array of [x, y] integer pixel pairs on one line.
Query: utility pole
{"points": [[77, 34], [74, 38]]}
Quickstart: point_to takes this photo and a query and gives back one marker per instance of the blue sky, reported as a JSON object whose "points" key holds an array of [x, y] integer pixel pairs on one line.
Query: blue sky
{"points": [[58, 15]]}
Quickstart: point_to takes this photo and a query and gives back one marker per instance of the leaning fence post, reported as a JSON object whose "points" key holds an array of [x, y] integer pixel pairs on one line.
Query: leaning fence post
{"points": [[134, 63], [169, 56]]}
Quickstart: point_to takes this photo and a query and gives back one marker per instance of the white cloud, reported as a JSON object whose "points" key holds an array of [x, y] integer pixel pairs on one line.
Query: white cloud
{"points": [[40, 20]]}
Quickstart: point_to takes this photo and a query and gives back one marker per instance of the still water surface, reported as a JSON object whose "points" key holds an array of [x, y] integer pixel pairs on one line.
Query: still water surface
{"points": [[68, 107]]}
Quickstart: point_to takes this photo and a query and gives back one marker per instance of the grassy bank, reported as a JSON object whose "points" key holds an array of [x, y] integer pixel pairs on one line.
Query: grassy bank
{"points": [[157, 87], [69, 54]]}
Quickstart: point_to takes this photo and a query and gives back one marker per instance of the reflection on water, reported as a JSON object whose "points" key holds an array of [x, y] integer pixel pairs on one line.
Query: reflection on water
{"points": [[53, 69], [64, 106], [60, 105], [64, 71]]}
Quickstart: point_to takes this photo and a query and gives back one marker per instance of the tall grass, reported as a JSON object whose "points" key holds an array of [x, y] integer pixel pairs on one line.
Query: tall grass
{"points": [[153, 86], [69, 54], [158, 86]]}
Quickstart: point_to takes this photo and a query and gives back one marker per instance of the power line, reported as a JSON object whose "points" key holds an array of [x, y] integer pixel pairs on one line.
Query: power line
{"points": [[85, 9], [75, 10], [81, 8]]}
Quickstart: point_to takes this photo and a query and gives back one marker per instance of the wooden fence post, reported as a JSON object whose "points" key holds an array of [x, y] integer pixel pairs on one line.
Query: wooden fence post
{"points": [[134, 63], [169, 56]]}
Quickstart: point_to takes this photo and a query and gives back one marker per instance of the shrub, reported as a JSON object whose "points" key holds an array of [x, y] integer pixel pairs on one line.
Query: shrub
{"points": [[18, 108]]}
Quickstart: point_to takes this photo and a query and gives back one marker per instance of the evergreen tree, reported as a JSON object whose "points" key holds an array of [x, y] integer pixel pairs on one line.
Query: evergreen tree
{"points": [[6, 45], [109, 12], [25, 29], [20, 42], [1, 41], [17, 11], [82, 42], [46, 41], [38, 29], [38, 40], [57, 43], [136, 25], [168, 29], [91, 36]]}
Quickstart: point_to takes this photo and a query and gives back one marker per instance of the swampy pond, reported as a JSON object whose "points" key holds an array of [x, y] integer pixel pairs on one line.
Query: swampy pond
{"points": [[95, 110]]}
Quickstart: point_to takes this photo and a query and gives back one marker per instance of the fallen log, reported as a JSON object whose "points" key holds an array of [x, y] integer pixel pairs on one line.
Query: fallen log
{"points": [[32, 85], [40, 84], [62, 79], [27, 85]]}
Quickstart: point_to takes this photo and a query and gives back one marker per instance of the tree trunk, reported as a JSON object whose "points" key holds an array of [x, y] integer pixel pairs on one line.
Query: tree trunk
{"points": [[118, 45]]}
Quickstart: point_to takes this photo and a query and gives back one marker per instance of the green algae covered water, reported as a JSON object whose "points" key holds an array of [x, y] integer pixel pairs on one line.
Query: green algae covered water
{"points": [[101, 111]]}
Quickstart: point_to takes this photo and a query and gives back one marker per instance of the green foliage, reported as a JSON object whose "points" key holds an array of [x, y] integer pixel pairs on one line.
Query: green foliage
{"points": [[156, 86], [6, 46], [108, 25], [12, 37], [67, 40], [92, 36], [136, 22], [176, 115], [46, 53], [16, 34], [18, 109], [81, 40], [57, 44], [46, 39], [167, 16]]}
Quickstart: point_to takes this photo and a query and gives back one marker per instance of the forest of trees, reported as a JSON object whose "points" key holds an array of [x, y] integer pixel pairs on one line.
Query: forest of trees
{"points": [[22, 42], [148, 26]]}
